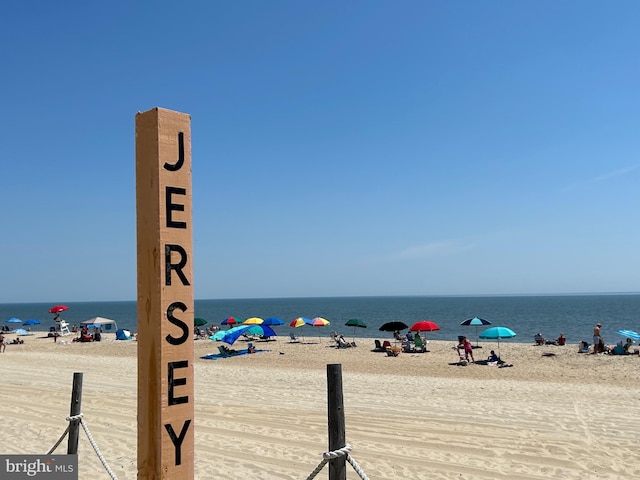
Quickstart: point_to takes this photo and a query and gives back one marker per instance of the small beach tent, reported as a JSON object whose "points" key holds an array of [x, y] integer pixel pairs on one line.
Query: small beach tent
{"points": [[122, 334], [105, 323]]}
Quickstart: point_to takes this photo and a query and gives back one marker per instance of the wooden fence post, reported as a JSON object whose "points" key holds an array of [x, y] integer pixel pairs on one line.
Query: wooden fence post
{"points": [[76, 409], [337, 436]]}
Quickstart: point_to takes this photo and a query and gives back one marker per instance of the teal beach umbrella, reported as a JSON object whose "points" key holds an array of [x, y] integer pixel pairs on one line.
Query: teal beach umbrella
{"points": [[496, 333]]}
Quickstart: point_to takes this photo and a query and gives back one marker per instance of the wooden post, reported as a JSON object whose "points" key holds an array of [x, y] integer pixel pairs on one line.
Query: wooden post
{"points": [[337, 436], [165, 296], [75, 409]]}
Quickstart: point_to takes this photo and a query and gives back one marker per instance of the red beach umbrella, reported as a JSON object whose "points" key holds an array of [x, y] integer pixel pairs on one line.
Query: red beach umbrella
{"points": [[58, 309], [424, 326]]}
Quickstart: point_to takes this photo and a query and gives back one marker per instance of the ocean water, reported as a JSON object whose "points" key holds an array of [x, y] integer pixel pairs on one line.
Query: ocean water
{"points": [[573, 315]]}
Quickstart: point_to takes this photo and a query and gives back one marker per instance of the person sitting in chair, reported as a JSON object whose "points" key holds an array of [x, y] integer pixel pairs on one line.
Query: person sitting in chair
{"points": [[539, 339]]}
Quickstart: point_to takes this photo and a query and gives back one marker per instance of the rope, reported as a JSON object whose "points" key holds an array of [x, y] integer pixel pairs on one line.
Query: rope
{"points": [[59, 441], [344, 451], [91, 440], [94, 445]]}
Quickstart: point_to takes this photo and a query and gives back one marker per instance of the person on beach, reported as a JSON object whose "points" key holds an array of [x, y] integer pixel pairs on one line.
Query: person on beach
{"points": [[561, 340], [539, 339], [468, 349], [597, 338], [3, 343], [493, 357]]}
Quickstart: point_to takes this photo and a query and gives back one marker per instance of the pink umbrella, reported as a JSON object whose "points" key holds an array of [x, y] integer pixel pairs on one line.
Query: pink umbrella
{"points": [[319, 322]]}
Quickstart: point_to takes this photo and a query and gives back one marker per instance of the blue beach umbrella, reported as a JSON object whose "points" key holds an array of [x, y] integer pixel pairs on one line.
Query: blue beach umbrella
{"points": [[629, 334], [235, 333], [14, 320], [476, 322], [496, 333], [271, 321], [231, 335], [32, 322]]}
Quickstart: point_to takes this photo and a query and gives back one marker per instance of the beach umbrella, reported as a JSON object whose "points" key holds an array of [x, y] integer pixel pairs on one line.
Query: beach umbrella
{"points": [[496, 333], [20, 331], [318, 322], [393, 326], [58, 309], [424, 326], [629, 334], [271, 321], [253, 321], [198, 322], [14, 320], [355, 323], [231, 335], [32, 322], [229, 321], [476, 322], [299, 322]]}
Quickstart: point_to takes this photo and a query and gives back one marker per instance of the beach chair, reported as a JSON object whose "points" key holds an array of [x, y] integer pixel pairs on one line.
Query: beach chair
{"points": [[378, 347], [226, 351], [393, 351], [420, 345]]}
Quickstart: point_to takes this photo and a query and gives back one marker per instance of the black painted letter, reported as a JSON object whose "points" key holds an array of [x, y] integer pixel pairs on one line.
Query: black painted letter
{"points": [[178, 207], [177, 441], [177, 166], [178, 323], [176, 382], [175, 266]]}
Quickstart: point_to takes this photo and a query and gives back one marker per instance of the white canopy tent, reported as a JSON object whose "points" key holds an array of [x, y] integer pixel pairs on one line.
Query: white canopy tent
{"points": [[101, 322]]}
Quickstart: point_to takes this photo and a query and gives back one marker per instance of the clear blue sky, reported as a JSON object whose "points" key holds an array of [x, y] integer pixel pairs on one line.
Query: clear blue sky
{"points": [[339, 148]]}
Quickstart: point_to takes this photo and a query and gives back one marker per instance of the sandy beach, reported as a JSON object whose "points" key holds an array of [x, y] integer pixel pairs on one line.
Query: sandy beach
{"points": [[415, 416]]}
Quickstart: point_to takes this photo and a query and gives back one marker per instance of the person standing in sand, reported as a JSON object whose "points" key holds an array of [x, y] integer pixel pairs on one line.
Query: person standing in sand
{"points": [[3, 343], [468, 349], [597, 338]]}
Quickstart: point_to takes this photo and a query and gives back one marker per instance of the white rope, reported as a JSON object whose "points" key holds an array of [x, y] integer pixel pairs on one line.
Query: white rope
{"points": [[93, 444], [357, 468], [344, 451]]}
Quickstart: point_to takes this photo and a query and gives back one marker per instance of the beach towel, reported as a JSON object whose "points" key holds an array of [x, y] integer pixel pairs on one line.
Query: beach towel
{"points": [[217, 356]]}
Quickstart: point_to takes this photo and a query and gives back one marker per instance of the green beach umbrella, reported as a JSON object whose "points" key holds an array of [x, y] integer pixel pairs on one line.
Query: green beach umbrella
{"points": [[355, 323]]}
